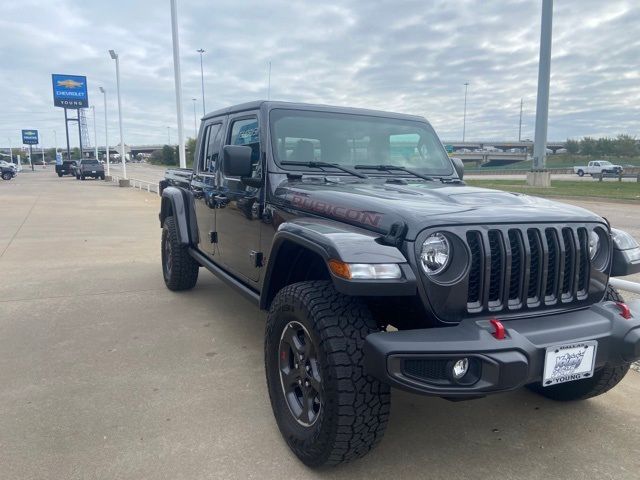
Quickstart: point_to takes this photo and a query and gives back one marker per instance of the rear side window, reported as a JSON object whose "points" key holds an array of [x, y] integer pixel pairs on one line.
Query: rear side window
{"points": [[211, 150]]}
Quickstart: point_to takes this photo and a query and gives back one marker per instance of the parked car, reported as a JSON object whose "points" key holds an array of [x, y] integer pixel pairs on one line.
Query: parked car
{"points": [[597, 167], [89, 168], [8, 170], [66, 168], [379, 267]]}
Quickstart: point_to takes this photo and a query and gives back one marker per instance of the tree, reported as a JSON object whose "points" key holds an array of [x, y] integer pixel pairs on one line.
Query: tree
{"points": [[573, 146], [589, 146], [166, 156], [190, 148], [626, 146]]}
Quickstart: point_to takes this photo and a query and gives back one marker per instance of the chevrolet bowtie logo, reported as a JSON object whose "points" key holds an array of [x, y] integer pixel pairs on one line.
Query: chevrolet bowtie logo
{"points": [[69, 83]]}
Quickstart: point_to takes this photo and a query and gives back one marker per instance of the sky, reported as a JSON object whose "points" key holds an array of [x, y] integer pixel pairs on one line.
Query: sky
{"points": [[405, 56]]}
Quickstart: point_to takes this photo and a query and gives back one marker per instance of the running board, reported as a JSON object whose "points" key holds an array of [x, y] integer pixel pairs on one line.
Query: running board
{"points": [[225, 277]]}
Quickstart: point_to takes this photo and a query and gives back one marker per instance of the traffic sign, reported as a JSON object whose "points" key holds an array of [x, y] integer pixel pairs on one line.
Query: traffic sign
{"points": [[30, 137], [70, 91]]}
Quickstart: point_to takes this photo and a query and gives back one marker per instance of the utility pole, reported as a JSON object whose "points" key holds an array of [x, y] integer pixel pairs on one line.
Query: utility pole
{"points": [[114, 56], [195, 129], [201, 51], [106, 130], [464, 118], [520, 127], [269, 84], [542, 103], [178, 82]]}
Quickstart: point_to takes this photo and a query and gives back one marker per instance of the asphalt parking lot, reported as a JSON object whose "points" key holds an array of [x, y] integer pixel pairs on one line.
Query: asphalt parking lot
{"points": [[105, 374]]}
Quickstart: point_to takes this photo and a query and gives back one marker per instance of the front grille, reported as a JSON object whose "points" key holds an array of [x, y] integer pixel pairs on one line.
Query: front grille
{"points": [[528, 267]]}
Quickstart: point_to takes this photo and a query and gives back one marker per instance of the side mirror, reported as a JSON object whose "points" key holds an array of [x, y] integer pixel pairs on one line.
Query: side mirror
{"points": [[459, 166], [236, 160]]}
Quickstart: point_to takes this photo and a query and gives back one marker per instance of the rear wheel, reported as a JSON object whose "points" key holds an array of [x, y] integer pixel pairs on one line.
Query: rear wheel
{"points": [[580, 173], [602, 381], [327, 408], [60, 174], [179, 269]]}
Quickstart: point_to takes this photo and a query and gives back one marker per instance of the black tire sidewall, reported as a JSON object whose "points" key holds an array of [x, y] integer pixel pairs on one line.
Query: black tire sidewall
{"points": [[580, 173]]}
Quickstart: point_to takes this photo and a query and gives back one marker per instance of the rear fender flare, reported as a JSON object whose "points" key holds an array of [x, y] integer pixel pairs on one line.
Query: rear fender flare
{"points": [[179, 203]]}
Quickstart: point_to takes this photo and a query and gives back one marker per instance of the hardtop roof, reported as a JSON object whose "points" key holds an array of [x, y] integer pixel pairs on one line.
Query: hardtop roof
{"points": [[270, 105]]}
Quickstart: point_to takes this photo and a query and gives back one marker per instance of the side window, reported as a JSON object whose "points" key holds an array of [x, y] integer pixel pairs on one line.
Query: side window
{"points": [[211, 148], [246, 132]]}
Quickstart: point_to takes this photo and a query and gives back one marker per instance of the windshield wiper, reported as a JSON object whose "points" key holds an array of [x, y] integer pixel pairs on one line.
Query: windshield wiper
{"points": [[391, 168], [322, 165]]}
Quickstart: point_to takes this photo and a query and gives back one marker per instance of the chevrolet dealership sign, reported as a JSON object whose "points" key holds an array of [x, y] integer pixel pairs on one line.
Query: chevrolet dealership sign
{"points": [[70, 91]]}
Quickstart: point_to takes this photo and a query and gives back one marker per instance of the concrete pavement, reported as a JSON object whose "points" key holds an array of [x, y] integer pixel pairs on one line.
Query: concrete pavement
{"points": [[105, 374]]}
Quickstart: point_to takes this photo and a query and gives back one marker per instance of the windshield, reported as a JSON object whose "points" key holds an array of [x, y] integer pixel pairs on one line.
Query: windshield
{"points": [[350, 140]]}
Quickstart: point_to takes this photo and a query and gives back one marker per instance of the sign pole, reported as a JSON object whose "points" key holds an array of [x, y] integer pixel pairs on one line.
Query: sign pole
{"points": [[79, 134], [66, 129], [30, 157]]}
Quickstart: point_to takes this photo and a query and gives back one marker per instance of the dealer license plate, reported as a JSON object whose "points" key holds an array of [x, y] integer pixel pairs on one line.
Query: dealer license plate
{"points": [[93, 171], [566, 363]]}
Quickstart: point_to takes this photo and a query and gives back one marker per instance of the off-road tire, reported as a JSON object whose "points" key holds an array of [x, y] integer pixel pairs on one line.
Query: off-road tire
{"points": [[82, 177], [60, 175], [182, 273], [581, 173], [7, 176], [355, 406], [602, 381], [77, 177], [102, 177]]}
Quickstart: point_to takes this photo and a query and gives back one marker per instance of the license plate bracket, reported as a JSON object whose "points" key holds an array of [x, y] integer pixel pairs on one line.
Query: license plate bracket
{"points": [[569, 362]]}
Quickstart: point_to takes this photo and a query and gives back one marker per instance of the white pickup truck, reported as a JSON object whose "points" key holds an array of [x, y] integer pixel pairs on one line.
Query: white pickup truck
{"points": [[596, 167]]}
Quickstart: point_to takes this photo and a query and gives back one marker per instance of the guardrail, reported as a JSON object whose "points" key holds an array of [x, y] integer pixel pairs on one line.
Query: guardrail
{"points": [[150, 187], [626, 285]]}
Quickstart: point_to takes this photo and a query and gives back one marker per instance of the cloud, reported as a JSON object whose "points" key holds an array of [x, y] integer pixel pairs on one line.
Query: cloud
{"points": [[410, 56]]}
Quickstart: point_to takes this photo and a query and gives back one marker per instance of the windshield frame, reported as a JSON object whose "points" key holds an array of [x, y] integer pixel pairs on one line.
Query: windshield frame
{"points": [[374, 116]]}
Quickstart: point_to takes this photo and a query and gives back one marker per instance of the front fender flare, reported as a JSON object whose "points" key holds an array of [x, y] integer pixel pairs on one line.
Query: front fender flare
{"points": [[334, 240]]}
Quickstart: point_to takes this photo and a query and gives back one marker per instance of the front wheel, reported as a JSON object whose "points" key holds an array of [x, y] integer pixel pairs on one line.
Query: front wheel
{"points": [[327, 408], [7, 176], [60, 174]]}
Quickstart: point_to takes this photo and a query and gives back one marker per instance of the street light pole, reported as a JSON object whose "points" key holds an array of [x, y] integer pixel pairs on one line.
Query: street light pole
{"points": [[169, 135], [178, 82], [95, 132], [544, 74], [269, 84], [10, 150], [201, 51], [195, 129], [106, 130], [464, 118], [520, 127], [114, 56]]}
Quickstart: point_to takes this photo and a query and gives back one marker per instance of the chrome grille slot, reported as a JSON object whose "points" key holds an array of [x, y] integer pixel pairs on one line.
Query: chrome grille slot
{"points": [[528, 267]]}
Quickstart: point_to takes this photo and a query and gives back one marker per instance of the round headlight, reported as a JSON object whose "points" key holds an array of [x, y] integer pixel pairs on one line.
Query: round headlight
{"points": [[435, 253], [594, 244]]}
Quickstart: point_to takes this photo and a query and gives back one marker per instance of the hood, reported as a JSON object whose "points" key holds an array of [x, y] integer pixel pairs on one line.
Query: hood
{"points": [[376, 205]]}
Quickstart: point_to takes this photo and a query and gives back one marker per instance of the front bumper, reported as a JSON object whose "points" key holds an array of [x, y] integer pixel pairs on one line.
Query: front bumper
{"points": [[419, 360]]}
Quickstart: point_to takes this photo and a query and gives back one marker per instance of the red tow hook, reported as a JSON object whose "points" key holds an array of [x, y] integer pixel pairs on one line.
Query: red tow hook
{"points": [[498, 329], [625, 311]]}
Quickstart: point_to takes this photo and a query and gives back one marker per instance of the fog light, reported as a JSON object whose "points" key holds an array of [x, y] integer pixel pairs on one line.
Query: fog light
{"points": [[460, 368]]}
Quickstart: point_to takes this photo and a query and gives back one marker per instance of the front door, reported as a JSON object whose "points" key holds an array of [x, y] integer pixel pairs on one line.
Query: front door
{"points": [[238, 222], [203, 185]]}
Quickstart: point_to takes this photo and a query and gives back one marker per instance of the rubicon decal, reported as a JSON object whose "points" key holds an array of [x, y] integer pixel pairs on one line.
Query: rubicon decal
{"points": [[366, 217]]}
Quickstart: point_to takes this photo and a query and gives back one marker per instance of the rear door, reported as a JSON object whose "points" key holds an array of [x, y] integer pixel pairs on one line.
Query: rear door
{"points": [[203, 184]]}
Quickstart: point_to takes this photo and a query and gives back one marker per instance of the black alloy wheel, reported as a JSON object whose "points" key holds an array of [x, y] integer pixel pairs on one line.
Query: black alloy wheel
{"points": [[300, 374]]}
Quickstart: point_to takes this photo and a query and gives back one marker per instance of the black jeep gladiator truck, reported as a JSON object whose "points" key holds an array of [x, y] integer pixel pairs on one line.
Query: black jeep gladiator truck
{"points": [[67, 167], [7, 170], [89, 168], [379, 267]]}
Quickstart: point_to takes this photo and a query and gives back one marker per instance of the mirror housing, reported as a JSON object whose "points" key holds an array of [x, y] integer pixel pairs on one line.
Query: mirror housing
{"points": [[236, 160], [459, 166]]}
